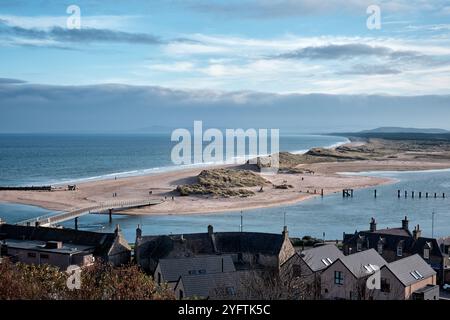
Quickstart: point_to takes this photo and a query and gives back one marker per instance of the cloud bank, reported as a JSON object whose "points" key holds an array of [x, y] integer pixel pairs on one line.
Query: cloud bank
{"points": [[121, 108]]}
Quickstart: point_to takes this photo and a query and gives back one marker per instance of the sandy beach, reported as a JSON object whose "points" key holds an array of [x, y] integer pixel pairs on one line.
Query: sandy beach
{"points": [[327, 176]]}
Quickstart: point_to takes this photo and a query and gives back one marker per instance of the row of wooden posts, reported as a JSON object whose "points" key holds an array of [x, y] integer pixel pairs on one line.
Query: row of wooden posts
{"points": [[413, 194], [349, 193]]}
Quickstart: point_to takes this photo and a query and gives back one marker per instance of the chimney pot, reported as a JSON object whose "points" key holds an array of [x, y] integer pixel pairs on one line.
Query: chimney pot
{"points": [[210, 230]]}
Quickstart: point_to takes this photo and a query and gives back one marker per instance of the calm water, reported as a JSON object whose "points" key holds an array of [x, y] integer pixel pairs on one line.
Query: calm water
{"points": [[50, 159], [332, 214]]}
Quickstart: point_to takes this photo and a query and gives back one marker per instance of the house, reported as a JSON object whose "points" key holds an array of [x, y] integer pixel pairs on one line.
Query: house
{"points": [[444, 245], [170, 270], [346, 277], [62, 247], [396, 243], [307, 266], [248, 250], [407, 278]]}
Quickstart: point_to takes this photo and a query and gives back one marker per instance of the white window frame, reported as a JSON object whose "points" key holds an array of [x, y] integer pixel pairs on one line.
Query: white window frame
{"points": [[399, 251]]}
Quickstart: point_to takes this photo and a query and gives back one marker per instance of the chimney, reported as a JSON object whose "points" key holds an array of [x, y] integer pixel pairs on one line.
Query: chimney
{"points": [[138, 231], [417, 233], [117, 230], [210, 230], [373, 225], [405, 223], [285, 232]]}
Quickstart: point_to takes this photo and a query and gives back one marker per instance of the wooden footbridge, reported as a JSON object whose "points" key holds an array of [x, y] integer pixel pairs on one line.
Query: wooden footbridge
{"points": [[103, 207]]}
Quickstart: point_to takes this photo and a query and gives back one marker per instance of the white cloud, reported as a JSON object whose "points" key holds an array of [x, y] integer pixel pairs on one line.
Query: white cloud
{"points": [[46, 22]]}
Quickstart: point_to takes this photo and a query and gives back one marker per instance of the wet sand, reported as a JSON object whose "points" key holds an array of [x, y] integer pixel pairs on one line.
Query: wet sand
{"points": [[327, 176]]}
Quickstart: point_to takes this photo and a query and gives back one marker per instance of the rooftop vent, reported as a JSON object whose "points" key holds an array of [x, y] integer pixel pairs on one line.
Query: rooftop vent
{"points": [[53, 245]]}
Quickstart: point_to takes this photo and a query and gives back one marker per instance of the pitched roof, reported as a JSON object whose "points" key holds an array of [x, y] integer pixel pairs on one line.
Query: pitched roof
{"points": [[391, 241], [101, 241], [361, 263], [319, 258], [158, 247], [172, 269], [224, 285], [254, 242], [411, 269], [393, 231]]}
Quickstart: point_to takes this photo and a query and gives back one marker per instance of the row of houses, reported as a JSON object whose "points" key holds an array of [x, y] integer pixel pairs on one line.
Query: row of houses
{"points": [[62, 247], [250, 265]]}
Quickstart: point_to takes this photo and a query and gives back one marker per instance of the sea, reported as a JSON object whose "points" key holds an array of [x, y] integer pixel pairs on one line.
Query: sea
{"points": [[27, 159]]}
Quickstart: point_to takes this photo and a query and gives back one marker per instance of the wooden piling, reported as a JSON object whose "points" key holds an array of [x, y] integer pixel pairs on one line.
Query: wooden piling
{"points": [[412, 194], [110, 215], [375, 193], [420, 194], [76, 223], [398, 193]]}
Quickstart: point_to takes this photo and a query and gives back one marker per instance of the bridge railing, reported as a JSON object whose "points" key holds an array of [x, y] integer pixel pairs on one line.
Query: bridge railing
{"points": [[110, 205]]}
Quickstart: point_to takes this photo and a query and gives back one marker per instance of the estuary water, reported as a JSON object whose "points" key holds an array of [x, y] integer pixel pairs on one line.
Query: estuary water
{"points": [[320, 217]]}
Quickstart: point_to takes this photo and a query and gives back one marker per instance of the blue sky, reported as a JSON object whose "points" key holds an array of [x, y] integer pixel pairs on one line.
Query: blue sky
{"points": [[301, 65], [278, 46]]}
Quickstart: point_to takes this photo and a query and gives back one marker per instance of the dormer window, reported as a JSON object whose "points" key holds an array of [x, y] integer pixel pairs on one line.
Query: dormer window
{"points": [[426, 253], [399, 250], [380, 248], [358, 246]]}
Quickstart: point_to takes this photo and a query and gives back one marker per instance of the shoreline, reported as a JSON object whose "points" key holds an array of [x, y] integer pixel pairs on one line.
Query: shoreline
{"points": [[308, 180], [168, 168], [329, 177]]}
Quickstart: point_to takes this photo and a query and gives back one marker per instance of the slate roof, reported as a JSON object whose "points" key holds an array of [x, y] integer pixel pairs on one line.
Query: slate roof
{"points": [[356, 262], [393, 231], [255, 242], [225, 285], [403, 268], [158, 247], [390, 241], [101, 242], [313, 257], [172, 269]]}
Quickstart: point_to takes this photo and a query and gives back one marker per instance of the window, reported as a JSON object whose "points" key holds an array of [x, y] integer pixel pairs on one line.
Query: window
{"points": [[329, 260], [325, 262], [399, 251], [385, 285], [380, 248], [44, 256], [159, 278], [297, 270], [231, 291], [416, 275], [338, 277], [358, 246], [31, 254], [426, 253], [181, 294]]}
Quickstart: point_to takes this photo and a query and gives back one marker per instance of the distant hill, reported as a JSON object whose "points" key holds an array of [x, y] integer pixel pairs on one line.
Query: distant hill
{"points": [[397, 133], [405, 130]]}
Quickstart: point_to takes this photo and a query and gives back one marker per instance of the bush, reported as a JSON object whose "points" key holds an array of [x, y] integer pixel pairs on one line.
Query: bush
{"points": [[98, 282]]}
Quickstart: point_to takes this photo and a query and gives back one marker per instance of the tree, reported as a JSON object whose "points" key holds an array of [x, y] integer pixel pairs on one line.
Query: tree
{"points": [[98, 282]]}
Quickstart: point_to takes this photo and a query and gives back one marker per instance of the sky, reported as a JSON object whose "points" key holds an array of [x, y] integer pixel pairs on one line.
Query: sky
{"points": [[209, 51]]}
